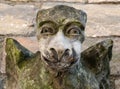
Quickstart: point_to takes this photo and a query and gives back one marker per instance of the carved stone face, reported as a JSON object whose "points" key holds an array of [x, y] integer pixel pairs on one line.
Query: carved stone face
{"points": [[60, 32]]}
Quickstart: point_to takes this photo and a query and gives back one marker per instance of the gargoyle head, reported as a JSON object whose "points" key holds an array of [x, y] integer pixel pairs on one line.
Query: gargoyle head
{"points": [[60, 32]]}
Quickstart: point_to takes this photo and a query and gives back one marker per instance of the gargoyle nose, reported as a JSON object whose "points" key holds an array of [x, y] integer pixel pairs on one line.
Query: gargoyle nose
{"points": [[59, 53]]}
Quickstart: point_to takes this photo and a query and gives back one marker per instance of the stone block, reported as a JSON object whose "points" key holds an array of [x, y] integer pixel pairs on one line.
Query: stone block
{"points": [[117, 83], [16, 20], [50, 0], [104, 1], [103, 20]]}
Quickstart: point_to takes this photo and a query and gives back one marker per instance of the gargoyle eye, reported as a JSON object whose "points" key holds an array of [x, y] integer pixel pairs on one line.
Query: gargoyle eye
{"points": [[73, 31], [47, 30]]}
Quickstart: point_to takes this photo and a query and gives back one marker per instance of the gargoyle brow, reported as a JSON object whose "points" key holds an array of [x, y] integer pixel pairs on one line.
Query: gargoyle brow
{"points": [[45, 22], [74, 23]]}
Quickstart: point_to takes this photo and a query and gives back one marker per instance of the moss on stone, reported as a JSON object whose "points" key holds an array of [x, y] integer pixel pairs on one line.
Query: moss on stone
{"points": [[29, 72], [13, 52]]}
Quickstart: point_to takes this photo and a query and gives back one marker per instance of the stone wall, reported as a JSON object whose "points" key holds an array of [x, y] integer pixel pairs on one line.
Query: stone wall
{"points": [[17, 21], [71, 1]]}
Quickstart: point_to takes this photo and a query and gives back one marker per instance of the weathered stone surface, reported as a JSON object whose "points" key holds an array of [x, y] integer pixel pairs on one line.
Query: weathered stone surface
{"points": [[16, 20], [18, 57], [103, 1], [88, 42], [103, 20], [49, 0], [98, 61], [2, 57], [80, 1], [117, 84], [114, 64], [2, 81], [2, 64], [21, 0], [20, 67], [111, 11], [4, 6]]}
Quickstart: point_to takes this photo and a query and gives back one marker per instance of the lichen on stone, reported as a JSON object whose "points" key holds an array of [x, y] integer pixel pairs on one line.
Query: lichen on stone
{"points": [[34, 75]]}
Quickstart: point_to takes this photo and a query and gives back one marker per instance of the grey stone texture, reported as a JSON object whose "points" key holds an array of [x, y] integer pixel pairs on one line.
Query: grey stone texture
{"points": [[27, 70], [117, 83], [2, 56], [16, 20], [115, 67], [103, 23], [2, 81], [79, 1], [103, 1], [103, 20]]}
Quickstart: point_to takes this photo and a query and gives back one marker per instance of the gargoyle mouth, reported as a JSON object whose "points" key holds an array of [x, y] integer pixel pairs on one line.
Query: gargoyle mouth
{"points": [[64, 63]]}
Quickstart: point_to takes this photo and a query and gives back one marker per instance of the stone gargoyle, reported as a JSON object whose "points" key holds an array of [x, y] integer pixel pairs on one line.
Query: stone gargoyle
{"points": [[59, 63]]}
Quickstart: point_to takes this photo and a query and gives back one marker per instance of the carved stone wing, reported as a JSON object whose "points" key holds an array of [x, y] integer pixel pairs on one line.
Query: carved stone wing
{"points": [[22, 66], [97, 58]]}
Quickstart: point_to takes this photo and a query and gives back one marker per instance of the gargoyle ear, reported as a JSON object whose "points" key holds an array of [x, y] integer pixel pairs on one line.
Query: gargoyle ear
{"points": [[83, 17], [97, 57]]}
